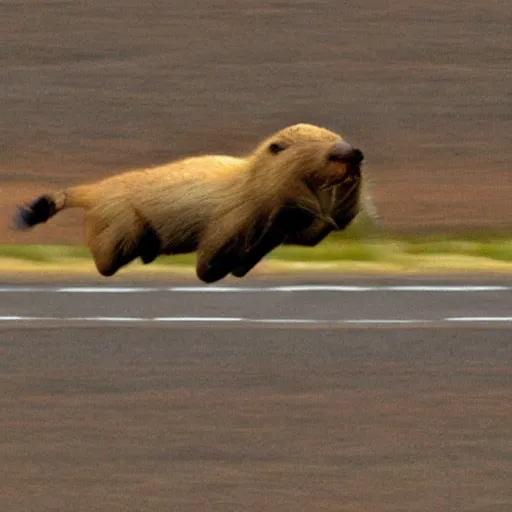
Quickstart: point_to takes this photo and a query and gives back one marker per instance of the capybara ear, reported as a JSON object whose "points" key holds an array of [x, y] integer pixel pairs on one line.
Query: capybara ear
{"points": [[36, 212]]}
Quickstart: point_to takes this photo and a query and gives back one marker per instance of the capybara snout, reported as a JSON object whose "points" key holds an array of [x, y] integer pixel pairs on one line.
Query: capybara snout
{"points": [[346, 153]]}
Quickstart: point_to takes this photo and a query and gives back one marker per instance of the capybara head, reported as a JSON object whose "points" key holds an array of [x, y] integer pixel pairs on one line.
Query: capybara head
{"points": [[318, 156]]}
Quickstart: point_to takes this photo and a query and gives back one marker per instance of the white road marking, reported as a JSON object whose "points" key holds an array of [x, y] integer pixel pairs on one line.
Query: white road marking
{"points": [[104, 319], [254, 289], [98, 289], [450, 288], [289, 321], [480, 319], [195, 319], [384, 321], [17, 318], [208, 320], [402, 288], [103, 289]]}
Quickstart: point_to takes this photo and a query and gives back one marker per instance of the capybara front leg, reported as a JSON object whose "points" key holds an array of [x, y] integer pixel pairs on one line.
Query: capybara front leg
{"points": [[310, 236], [271, 238], [217, 253], [215, 265], [253, 257]]}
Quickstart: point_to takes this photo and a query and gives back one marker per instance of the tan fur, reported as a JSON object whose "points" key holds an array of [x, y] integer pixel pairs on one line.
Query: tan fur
{"points": [[220, 206]]}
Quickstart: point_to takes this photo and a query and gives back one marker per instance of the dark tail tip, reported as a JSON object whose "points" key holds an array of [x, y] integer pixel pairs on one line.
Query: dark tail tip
{"points": [[36, 212]]}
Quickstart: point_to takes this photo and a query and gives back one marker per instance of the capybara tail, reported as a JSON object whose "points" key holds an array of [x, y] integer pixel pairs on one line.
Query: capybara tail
{"points": [[46, 206]]}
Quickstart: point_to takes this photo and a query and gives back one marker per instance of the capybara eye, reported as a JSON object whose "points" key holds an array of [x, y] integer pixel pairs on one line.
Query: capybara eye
{"points": [[275, 148]]}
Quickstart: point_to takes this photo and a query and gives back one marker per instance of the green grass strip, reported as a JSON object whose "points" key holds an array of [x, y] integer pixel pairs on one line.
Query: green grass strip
{"points": [[331, 250]]}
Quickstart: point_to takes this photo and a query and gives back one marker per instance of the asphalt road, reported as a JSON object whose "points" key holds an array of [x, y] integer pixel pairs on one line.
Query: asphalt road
{"points": [[310, 302], [320, 395]]}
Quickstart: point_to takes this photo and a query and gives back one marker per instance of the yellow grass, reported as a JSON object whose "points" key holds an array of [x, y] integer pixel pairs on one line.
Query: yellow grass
{"points": [[410, 264]]}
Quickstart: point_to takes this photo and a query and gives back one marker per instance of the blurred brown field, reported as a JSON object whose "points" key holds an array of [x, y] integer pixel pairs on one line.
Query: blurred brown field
{"points": [[92, 88]]}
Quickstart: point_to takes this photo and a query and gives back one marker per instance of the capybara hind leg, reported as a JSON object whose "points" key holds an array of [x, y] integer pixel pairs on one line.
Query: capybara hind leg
{"points": [[107, 249], [106, 264], [106, 258]]}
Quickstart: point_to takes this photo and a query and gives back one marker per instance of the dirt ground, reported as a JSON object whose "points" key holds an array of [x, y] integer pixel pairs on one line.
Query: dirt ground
{"points": [[91, 88]]}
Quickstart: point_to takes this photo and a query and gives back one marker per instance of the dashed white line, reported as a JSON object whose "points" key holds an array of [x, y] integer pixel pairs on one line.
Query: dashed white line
{"points": [[217, 320], [384, 321], [199, 319], [480, 319], [205, 319], [391, 288], [288, 321], [16, 318], [104, 319], [255, 289]]}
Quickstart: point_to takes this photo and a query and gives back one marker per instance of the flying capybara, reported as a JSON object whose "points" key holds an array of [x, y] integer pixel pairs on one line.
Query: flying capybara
{"points": [[295, 187]]}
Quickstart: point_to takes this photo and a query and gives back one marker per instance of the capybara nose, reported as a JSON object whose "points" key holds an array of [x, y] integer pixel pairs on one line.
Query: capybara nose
{"points": [[344, 152], [357, 156]]}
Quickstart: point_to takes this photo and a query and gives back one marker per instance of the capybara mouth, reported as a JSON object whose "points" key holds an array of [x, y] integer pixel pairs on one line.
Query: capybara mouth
{"points": [[353, 172], [350, 176]]}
